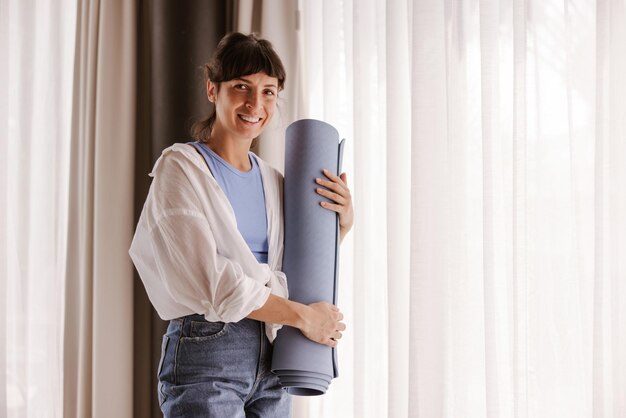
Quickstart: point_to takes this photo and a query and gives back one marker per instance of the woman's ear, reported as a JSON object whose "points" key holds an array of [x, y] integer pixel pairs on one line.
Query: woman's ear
{"points": [[211, 91]]}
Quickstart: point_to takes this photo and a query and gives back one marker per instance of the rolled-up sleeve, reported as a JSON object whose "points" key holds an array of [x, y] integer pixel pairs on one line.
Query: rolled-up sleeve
{"points": [[278, 284], [196, 276]]}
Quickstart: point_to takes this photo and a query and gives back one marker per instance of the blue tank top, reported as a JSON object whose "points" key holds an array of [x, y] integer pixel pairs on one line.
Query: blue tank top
{"points": [[244, 190]]}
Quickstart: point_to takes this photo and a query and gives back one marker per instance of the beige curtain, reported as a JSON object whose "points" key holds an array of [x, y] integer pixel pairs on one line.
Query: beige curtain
{"points": [[98, 341]]}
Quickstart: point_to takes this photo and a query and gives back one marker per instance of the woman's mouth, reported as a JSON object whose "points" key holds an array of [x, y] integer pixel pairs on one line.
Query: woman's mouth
{"points": [[249, 119]]}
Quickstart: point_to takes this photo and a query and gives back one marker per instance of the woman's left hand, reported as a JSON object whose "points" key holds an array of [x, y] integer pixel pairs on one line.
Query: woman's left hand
{"points": [[336, 189]]}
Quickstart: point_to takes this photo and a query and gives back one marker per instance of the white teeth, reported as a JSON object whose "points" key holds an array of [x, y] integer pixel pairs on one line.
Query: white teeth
{"points": [[249, 118]]}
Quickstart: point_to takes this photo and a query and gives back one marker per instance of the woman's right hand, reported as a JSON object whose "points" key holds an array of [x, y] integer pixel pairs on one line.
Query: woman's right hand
{"points": [[321, 323]]}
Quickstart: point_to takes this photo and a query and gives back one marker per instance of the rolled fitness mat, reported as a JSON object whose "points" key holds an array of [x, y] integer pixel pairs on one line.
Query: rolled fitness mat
{"points": [[311, 256]]}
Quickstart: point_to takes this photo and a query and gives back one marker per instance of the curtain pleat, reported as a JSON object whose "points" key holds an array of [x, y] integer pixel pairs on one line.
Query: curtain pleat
{"points": [[519, 211], [98, 299], [36, 43], [370, 160], [4, 182], [398, 130], [429, 353], [609, 364]]}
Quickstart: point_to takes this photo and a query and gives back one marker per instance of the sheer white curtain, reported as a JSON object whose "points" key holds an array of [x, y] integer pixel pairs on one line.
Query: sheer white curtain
{"points": [[36, 124], [486, 276]]}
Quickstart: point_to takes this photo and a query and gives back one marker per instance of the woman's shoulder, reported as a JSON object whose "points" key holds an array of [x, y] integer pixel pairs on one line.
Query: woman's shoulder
{"points": [[179, 154]]}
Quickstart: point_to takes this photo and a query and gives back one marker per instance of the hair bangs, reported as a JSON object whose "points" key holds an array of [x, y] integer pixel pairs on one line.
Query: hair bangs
{"points": [[252, 58]]}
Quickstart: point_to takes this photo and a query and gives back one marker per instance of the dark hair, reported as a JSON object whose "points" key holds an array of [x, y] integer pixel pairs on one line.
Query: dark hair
{"points": [[238, 55]]}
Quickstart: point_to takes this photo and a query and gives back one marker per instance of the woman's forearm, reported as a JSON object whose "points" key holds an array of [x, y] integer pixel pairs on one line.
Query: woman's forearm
{"points": [[279, 310], [319, 322]]}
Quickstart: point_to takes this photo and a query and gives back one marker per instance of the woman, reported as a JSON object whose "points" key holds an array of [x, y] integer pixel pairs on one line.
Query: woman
{"points": [[209, 244]]}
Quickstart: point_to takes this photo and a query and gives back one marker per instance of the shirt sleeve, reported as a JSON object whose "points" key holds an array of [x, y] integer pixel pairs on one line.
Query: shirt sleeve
{"points": [[196, 276], [186, 259], [278, 284]]}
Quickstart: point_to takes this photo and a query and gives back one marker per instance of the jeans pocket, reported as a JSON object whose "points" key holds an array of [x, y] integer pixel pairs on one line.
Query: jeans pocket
{"points": [[201, 353], [204, 330]]}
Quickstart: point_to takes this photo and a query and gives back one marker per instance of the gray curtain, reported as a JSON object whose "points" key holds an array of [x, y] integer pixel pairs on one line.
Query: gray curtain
{"points": [[174, 40]]}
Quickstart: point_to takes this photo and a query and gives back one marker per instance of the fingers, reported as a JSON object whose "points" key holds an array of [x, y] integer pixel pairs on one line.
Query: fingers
{"points": [[340, 196], [326, 326], [332, 176], [333, 340], [336, 190], [335, 183], [333, 207], [342, 179], [331, 195], [339, 327], [336, 335]]}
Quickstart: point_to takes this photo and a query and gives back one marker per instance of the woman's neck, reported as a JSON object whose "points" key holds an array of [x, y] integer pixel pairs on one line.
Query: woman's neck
{"points": [[234, 152]]}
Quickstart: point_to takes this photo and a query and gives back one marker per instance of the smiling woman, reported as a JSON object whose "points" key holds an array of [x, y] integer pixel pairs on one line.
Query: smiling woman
{"points": [[209, 245], [238, 71]]}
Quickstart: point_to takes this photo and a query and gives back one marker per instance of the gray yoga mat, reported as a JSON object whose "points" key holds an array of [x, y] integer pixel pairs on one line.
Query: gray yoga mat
{"points": [[311, 256]]}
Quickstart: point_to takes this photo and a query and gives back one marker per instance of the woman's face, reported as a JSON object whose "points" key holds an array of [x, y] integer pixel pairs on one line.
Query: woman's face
{"points": [[243, 106]]}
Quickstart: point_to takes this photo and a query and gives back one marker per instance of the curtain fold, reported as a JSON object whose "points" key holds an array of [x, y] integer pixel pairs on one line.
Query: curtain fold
{"points": [[97, 361], [430, 322], [399, 150], [35, 121], [4, 181], [609, 267]]}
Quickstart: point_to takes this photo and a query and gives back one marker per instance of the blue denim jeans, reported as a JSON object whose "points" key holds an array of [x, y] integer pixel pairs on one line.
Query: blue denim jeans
{"points": [[216, 369]]}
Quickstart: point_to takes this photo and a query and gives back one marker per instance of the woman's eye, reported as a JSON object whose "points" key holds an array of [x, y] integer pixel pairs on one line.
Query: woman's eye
{"points": [[270, 92]]}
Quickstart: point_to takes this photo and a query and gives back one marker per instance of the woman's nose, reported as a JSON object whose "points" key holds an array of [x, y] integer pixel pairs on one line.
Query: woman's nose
{"points": [[253, 100]]}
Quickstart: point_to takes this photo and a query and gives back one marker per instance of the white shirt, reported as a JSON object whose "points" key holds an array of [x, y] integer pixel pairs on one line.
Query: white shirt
{"points": [[188, 251]]}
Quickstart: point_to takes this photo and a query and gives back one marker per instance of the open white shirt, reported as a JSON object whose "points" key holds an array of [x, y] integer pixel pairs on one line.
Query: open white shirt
{"points": [[188, 251]]}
